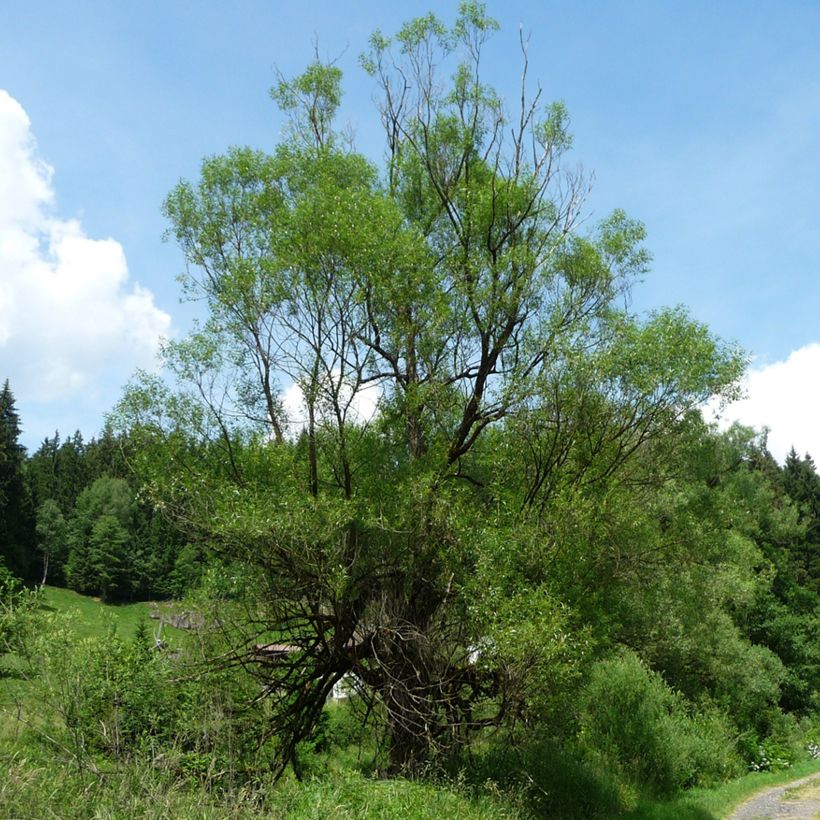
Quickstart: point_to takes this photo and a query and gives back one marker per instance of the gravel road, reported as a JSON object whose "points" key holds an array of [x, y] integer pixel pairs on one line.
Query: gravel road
{"points": [[798, 800]]}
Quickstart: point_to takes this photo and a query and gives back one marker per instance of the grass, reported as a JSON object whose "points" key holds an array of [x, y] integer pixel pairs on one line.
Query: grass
{"points": [[92, 617], [718, 802], [808, 791], [38, 788], [350, 795], [38, 780]]}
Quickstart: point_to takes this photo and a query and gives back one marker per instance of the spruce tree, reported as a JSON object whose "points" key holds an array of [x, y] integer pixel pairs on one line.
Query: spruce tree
{"points": [[17, 536], [802, 484]]}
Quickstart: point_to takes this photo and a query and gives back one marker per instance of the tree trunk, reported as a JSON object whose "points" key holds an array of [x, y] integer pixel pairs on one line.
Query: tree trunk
{"points": [[409, 739]]}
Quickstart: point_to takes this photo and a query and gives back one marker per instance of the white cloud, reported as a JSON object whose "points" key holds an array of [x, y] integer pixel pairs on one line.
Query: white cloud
{"points": [[363, 405], [72, 326], [783, 396]]}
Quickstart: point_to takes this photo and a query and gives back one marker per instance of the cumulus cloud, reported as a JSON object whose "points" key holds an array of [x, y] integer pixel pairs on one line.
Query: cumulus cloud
{"points": [[784, 397], [72, 326]]}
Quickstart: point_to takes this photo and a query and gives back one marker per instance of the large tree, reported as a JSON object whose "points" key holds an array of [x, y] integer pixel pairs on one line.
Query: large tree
{"points": [[514, 393], [59, 470], [802, 484], [100, 540], [16, 511]]}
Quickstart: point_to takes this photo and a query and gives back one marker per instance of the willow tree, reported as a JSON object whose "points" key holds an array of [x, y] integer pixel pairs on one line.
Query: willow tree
{"points": [[452, 284]]}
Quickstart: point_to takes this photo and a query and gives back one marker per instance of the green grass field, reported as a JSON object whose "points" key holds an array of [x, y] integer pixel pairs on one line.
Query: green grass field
{"points": [[89, 618], [92, 618]]}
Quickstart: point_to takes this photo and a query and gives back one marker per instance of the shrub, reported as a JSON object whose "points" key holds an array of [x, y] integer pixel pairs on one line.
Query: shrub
{"points": [[18, 614], [545, 779], [113, 695], [784, 742], [650, 733]]}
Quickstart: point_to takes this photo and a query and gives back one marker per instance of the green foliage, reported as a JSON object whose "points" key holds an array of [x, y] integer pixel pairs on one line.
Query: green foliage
{"points": [[533, 556], [802, 484], [352, 795], [18, 614], [52, 532], [107, 554], [61, 469], [188, 571], [58, 474], [641, 727], [17, 536], [546, 779], [466, 550], [120, 698], [100, 540], [200, 759], [113, 694], [313, 98], [716, 802]]}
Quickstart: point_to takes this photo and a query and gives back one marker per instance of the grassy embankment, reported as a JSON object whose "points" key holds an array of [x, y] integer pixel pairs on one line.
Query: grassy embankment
{"points": [[89, 618], [36, 782], [718, 802]]}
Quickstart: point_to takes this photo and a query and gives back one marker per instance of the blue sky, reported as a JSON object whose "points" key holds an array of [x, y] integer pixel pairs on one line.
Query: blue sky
{"points": [[700, 119]]}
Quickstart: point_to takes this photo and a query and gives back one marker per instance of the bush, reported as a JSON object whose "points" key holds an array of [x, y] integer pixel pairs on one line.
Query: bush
{"points": [[784, 742], [114, 695], [350, 795], [631, 718], [18, 614]]}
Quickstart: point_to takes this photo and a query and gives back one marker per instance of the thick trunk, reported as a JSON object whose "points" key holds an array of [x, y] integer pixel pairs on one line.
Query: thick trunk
{"points": [[410, 738], [411, 695], [415, 436]]}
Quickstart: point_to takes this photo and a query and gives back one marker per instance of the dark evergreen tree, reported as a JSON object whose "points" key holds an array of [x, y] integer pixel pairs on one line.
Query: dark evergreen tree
{"points": [[802, 485], [58, 470], [785, 617], [106, 456], [59, 473], [41, 472], [72, 471], [17, 535]]}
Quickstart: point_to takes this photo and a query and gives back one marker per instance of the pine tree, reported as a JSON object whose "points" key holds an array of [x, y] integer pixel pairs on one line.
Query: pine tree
{"points": [[17, 536], [59, 470], [41, 471], [802, 484]]}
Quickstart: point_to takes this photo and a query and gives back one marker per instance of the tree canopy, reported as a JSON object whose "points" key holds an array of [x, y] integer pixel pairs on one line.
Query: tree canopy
{"points": [[450, 549]]}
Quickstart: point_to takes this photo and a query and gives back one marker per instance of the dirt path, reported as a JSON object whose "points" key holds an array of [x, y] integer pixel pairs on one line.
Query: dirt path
{"points": [[798, 800]]}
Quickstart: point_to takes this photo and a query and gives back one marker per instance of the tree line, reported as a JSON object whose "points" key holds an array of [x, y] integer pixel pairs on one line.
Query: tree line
{"points": [[71, 515]]}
